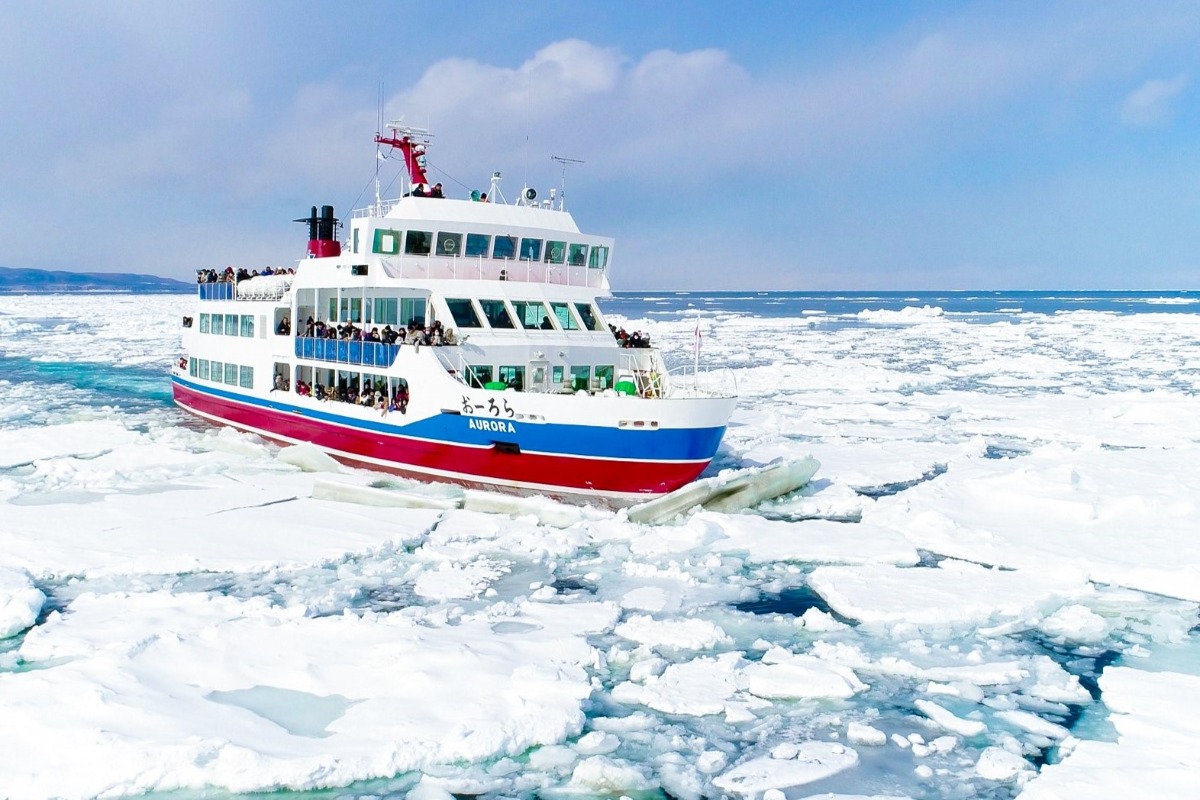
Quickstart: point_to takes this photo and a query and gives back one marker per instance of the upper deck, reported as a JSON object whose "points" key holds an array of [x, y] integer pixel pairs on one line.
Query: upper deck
{"points": [[426, 238]]}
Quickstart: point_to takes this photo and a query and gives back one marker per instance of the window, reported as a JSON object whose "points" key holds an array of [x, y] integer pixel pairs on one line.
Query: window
{"points": [[579, 378], [480, 374], [556, 252], [578, 255], [386, 310], [449, 244], [204, 323], [246, 377], [531, 314], [217, 368], [193, 365], [604, 377], [231, 373], [513, 377], [354, 247], [599, 257], [412, 309], [463, 313], [556, 374], [218, 323], [351, 309], [496, 313], [505, 247], [531, 249], [231, 324], [566, 320], [247, 325], [387, 241], [591, 320], [418, 242], [477, 244], [202, 370]]}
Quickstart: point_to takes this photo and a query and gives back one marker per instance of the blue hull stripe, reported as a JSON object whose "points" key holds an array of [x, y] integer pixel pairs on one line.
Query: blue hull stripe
{"points": [[587, 441]]}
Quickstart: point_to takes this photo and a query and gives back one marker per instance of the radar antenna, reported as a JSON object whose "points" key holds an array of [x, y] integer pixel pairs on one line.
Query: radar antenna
{"points": [[411, 142], [562, 193]]}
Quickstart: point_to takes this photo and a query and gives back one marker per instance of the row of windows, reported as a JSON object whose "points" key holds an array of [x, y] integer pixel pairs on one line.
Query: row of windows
{"points": [[388, 242], [487, 376], [220, 372], [528, 314], [228, 324], [378, 310]]}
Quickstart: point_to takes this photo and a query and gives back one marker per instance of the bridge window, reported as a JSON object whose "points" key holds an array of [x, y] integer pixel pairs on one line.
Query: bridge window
{"points": [[387, 241], [496, 313], [463, 313], [591, 320], [449, 244], [556, 252], [532, 315], [531, 249], [505, 247], [578, 255], [599, 257], [418, 243], [477, 245], [566, 320]]}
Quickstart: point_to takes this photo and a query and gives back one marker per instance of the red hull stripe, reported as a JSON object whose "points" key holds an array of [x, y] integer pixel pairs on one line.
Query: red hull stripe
{"points": [[488, 465]]}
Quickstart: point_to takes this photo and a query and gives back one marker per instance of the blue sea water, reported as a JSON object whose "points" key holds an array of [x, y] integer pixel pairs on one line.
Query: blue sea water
{"points": [[981, 305]]}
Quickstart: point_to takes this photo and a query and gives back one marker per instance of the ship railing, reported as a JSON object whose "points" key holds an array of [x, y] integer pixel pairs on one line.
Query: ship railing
{"points": [[468, 268], [377, 210], [261, 287], [345, 351], [691, 380], [455, 366], [222, 290]]}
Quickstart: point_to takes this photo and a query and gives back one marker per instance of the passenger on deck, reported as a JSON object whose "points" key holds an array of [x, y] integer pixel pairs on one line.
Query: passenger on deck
{"points": [[436, 191]]}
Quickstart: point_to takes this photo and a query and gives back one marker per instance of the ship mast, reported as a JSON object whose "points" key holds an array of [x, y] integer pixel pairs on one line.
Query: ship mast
{"points": [[411, 143], [562, 195]]}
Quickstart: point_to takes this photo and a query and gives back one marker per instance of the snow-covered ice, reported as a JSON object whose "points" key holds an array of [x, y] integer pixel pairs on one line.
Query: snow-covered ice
{"points": [[989, 589]]}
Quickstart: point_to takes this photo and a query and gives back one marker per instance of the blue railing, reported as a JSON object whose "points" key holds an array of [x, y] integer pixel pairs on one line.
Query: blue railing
{"points": [[216, 291], [372, 354]]}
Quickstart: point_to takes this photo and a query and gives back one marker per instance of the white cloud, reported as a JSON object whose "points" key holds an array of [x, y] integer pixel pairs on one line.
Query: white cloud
{"points": [[1152, 103]]}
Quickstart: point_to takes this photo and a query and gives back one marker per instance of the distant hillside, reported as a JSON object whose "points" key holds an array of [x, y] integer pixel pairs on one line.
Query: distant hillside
{"points": [[25, 281]]}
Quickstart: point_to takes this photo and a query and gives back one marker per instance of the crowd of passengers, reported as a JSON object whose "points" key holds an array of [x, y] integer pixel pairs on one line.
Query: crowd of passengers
{"points": [[370, 396], [229, 275], [625, 339], [414, 334]]}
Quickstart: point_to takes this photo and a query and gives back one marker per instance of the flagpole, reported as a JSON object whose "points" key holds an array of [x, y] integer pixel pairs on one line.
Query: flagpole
{"points": [[696, 357]]}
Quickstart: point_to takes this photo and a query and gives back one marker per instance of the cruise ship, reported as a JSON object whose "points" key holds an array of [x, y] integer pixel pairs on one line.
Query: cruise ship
{"points": [[451, 339]]}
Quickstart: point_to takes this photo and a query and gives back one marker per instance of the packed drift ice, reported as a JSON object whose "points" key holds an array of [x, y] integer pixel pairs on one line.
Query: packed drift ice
{"points": [[988, 589]]}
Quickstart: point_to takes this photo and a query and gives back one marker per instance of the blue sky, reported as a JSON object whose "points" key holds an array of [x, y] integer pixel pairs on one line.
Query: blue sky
{"points": [[771, 145]]}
